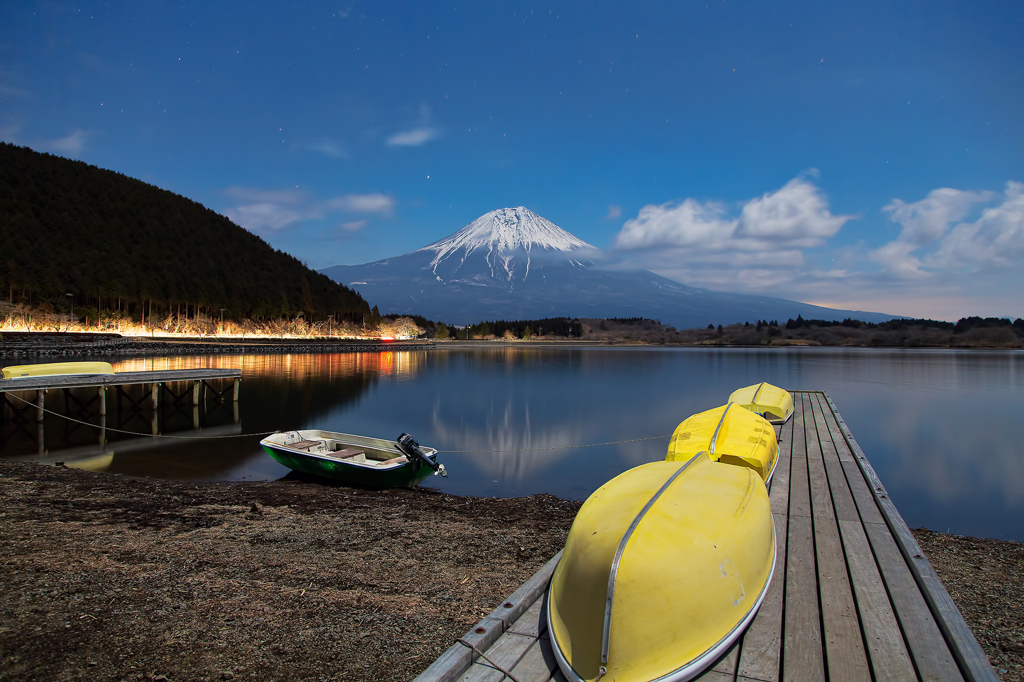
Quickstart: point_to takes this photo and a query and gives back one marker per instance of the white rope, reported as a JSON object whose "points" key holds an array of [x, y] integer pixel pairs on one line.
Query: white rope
{"points": [[133, 433], [559, 447]]}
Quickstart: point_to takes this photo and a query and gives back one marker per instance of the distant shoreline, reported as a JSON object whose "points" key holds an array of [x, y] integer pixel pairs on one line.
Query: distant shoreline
{"points": [[52, 344]]}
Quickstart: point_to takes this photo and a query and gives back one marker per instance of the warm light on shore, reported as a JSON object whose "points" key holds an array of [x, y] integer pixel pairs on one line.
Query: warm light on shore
{"points": [[27, 320]]}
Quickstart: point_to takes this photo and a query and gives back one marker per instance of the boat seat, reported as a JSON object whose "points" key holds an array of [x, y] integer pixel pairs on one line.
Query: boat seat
{"points": [[304, 444], [348, 452], [393, 460]]}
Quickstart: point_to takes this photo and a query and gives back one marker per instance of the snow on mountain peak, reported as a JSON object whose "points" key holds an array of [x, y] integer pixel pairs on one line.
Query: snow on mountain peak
{"points": [[507, 229]]}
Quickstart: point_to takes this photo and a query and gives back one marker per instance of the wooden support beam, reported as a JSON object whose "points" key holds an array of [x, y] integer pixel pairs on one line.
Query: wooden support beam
{"points": [[195, 392], [237, 386], [154, 395], [102, 395], [40, 404]]}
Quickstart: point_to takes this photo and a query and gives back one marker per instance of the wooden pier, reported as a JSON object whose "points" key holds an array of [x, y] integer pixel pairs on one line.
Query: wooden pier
{"points": [[852, 598], [156, 381]]}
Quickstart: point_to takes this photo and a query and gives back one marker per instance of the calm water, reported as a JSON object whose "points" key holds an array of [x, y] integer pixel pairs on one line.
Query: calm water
{"points": [[940, 427]]}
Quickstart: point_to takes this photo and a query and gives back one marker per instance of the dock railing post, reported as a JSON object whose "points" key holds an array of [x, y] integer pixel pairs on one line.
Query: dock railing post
{"points": [[40, 404]]}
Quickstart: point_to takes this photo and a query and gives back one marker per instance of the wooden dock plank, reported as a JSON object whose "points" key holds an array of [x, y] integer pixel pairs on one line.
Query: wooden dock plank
{"points": [[778, 488], [538, 664], [971, 660], [534, 620], [883, 637], [886, 648], [844, 646], [799, 493], [802, 652], [926, 645], [761, 651]]}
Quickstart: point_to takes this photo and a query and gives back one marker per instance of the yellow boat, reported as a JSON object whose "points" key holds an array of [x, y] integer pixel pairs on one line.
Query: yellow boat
{"points": [[771, 402], [57, 369], [730, 435], [663, 569]]}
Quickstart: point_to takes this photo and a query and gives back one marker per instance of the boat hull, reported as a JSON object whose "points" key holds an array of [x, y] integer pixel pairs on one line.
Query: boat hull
{"points": [[373, 472], [664, 567], [729, 434], [57, 369], [771, 402], [404, 477]]}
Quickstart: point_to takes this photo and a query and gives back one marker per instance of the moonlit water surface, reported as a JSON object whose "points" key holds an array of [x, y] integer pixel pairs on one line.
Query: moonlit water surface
{"points": [[940, 427]]}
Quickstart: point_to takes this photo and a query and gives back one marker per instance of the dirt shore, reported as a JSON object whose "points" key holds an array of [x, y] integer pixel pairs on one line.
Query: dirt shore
{"points": [[113, 578]]}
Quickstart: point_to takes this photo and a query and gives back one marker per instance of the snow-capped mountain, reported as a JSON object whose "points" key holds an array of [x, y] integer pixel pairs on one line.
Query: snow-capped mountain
{"points": [[508, 241], [513, 264]]}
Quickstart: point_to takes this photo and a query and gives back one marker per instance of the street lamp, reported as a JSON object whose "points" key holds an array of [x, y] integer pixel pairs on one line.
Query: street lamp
{"points": [[72, 297], [222, 320], [330, 325]]}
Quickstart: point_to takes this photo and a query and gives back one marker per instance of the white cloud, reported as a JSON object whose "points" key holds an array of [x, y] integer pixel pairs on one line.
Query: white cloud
{"points": [[412, 138], [70, 144], [262, 211], [364, 203], [9, 91], [772, 228], [614, 212], [996, 238], [932, 243], [330, 147]]}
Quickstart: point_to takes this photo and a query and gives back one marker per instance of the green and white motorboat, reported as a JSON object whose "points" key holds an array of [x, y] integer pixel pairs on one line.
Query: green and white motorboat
{"points": [[357, 460]]}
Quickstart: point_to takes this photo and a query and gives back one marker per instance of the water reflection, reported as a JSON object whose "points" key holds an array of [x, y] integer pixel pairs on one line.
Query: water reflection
{"points": [[938, 426]]}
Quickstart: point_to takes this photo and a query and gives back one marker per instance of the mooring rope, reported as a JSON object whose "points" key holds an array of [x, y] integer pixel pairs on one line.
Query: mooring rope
{"points": [[484, 656], [132, 433], [267, 433], [557, 447]]}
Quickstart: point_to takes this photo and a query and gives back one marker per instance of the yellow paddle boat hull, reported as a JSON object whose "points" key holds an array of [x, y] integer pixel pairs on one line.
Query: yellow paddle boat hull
{"points": [[730, 435], [57, 369], [771, 402], [663, 569]]}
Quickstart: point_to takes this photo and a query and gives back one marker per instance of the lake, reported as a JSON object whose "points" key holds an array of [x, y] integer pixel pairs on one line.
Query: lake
{"points": [[941, 427]]}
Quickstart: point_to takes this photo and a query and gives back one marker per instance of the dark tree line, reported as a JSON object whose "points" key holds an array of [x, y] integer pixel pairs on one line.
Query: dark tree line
{"points": [[117, 243], [962, 326], [552, 326]]}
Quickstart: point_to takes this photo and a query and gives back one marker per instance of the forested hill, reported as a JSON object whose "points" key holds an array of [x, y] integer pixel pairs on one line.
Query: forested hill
{"points": [[68, 227]]}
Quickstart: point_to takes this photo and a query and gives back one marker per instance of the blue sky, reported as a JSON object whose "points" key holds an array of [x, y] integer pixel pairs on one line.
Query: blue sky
{"points": [[864, 155]]}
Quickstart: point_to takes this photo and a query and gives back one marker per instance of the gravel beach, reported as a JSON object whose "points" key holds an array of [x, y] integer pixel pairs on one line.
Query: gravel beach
{"points": [[114, 578]]}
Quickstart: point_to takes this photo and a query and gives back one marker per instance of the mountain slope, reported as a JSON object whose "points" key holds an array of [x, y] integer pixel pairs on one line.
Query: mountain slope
{"points": [[513, 264], [67, 227]]}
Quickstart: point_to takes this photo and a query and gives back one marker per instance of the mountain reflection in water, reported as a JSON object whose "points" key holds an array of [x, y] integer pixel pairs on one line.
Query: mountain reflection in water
{"points": [[938, 426]]}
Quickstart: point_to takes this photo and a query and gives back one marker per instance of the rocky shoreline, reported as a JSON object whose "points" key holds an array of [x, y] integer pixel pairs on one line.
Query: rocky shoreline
{"points": [[115, 578]]}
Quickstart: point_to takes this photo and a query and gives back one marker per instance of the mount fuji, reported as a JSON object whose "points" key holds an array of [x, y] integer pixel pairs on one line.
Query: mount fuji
{"points": [[512, 264]]}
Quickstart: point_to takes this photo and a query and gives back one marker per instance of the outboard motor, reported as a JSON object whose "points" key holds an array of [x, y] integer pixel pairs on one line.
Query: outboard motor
{"points": [[412, 450]]}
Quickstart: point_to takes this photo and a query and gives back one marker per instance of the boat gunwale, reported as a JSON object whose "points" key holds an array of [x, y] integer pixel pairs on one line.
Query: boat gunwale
{"points": [[268, 443]]}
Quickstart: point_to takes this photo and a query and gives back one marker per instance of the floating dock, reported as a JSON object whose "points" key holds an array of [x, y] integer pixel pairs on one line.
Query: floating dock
{"points": [[852, 598]]}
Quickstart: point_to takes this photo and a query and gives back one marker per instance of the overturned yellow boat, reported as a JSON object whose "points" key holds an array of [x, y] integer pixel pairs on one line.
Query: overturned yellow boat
{"points": [[663, 569], [771, 402], [730, 435], [57, 369]]}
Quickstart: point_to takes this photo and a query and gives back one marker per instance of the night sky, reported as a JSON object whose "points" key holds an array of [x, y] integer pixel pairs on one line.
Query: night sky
{"points": [[862, 155]]}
